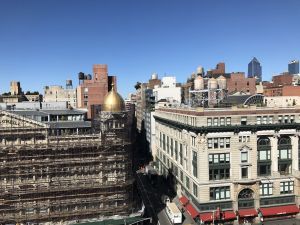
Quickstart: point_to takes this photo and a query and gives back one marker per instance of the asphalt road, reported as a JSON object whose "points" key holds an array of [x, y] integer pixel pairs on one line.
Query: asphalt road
{"points": [[152, 200]]}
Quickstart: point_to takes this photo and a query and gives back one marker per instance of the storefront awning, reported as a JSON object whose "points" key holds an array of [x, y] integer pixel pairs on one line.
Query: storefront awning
{"points": [[191, 210], [247, 213], [279, 210], [229, 215], [226, 215], [183, 200]]}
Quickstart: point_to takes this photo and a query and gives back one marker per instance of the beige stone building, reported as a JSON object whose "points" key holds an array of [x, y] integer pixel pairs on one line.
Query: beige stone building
{"points": [[57, 93], [242, 162]]}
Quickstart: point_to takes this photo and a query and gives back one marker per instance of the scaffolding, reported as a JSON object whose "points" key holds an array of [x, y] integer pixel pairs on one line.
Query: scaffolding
{"points": [[46, 178]]}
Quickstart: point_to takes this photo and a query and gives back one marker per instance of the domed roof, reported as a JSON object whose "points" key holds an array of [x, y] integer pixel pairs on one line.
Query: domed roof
{"points": [[113, 102]]}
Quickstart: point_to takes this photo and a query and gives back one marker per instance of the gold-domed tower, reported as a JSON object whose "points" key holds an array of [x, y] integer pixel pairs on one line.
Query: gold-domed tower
{"points": [[113, 102]]}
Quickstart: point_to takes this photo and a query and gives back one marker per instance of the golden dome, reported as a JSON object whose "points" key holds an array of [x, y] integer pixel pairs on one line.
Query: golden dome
{"points": [[113, 102]]}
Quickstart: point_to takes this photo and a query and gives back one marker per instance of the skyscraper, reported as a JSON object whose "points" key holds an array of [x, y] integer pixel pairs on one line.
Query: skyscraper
{"points": [[294, 67], [254, 69]]}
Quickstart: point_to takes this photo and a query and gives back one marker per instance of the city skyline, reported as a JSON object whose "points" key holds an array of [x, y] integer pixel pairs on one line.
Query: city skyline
{"points": [[48, 43]]}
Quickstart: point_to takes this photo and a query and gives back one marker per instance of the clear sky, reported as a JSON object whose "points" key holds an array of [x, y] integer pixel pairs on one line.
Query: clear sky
{"points": [[46, 42]]}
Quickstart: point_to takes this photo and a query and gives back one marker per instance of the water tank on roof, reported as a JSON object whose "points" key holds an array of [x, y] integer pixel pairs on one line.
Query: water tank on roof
{"points": [[199, 83], [69, 82], [212, 83], [200, 70], [89, 77], [81, 76], [154, 76], [222, 82]]}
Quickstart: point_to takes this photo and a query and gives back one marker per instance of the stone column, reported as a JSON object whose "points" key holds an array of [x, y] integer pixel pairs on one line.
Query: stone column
{"points": [[295, 150], [274, 154]]}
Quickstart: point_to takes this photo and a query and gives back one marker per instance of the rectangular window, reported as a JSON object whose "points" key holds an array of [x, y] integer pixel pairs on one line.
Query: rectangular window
{"points": [[292, 118], [285, 154], [168, 145], [265, 120], [160, 140], [193, 141], [219, 193], [209, 143], [227, 142], [216, 121], [270, 119], [187, 182], [279, 119], [286, 119], [244, 172], [266, 189], [228, 120], [164, 142], [258, 120], [209, 122], [222, 121], [264, 169], [181, 176], [195, 164], [287, 187], [264, 155], [172, 150], [180, 154], [221, 143], [216, 145], [195, 189], [244, 157], [176, 150], [244, 120]]}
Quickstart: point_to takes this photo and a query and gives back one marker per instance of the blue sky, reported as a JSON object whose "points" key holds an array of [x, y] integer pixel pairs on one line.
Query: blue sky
{"points": [[46, 42]]}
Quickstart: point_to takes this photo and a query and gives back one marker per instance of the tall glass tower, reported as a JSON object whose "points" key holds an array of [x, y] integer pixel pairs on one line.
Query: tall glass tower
{"points": [[254, 69], [294, 67]]}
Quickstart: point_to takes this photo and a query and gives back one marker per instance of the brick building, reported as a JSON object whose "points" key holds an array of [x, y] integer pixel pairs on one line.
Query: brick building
{"points": [[92, 89], [239, 83]]}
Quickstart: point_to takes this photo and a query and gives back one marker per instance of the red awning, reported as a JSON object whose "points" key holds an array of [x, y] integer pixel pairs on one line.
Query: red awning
{"points": [[184, 200], [247, 213], [229, 215], [206, 217], [279, 210], [226, 215], [191, 210]]}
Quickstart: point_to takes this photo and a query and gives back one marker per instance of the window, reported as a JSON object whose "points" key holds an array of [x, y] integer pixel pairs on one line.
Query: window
{"points": [[195, 189], [279, 119], [244, 120], [164, 142], [194, 164], [286, 119], [209, 122], [181, 176], [285, 154], [244, 157], [221, 158], [193, 141], [209, 143], [187, 182], [258, 120], [218, 143], [171, 147], [216, 121], [264, 169], [265, 120], [168, 145], [219, 193], [270, 119], [287, 187], [222, 121], [219, 174], [228, 120], [292, 118], [244, 172], [266, 189], [180, 154], [176, 150], [160, 140], [219, 166]]}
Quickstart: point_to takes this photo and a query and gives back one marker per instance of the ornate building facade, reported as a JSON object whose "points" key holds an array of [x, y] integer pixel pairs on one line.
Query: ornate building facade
{"points": [[241, 161]]}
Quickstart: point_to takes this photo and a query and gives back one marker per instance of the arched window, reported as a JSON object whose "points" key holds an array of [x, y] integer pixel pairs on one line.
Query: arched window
{"points": [[264, 141], [284, 141], [246, 193]]}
